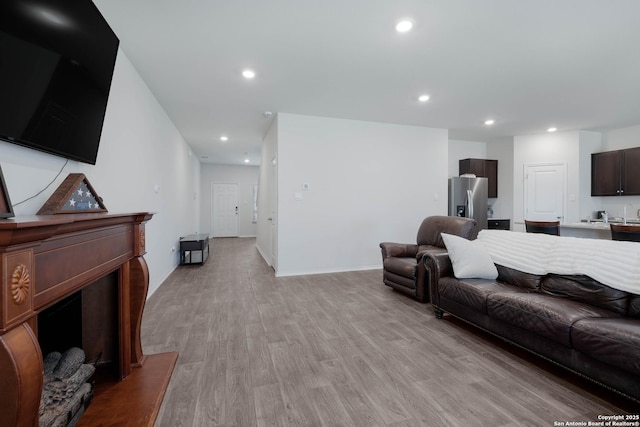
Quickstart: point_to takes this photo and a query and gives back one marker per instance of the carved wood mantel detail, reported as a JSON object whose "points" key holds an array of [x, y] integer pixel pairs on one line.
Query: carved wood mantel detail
{"points": [[20, 282], [46, 258]]}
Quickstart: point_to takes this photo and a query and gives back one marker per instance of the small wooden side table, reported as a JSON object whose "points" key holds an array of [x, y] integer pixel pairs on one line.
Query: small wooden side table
{"points": [[194, 249]]}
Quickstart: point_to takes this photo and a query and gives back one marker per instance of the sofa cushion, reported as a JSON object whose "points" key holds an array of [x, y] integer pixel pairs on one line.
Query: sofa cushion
{"points": [[548, 316], [393, 280], [613, 341], [405, 267], [634, 306], [615, 264], [517, 278], [585, 289], [472, 292]]}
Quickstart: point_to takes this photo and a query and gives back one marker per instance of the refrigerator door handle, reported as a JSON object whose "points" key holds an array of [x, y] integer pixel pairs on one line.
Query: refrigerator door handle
{"points": [[469, 204]]}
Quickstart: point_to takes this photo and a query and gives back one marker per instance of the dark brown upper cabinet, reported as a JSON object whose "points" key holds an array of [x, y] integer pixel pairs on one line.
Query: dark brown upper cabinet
{"points": [[616, 173], [482, 168]]}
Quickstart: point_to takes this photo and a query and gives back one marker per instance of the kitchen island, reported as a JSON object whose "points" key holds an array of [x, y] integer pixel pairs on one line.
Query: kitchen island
{"points": [[591, 230]]}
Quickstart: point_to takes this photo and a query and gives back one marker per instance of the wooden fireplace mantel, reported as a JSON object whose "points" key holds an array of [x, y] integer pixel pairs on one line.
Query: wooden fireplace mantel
{"points": [[49, 257]]}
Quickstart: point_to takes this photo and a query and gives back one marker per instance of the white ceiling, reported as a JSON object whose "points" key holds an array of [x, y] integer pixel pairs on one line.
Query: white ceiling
{"points": [[572, 64]]}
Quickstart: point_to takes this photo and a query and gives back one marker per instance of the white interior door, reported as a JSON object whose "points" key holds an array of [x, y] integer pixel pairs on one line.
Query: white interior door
{"points": [[224, 210], [545, 187]]}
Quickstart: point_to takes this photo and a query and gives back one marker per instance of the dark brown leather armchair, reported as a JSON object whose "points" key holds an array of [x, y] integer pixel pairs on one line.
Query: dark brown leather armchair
{"points": [[402, 264]]}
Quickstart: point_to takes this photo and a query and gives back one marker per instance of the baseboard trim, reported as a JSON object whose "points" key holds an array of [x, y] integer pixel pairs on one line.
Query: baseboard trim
{"points": [[328, 270], [161, 282], [264, 257]]}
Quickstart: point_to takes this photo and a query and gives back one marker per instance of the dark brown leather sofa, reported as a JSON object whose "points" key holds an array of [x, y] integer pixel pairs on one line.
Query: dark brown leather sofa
{"points": [[403, 269], [574, 321]]}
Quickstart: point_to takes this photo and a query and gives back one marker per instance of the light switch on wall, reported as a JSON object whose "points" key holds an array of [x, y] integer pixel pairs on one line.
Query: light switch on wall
{"points": [[297, 196]]}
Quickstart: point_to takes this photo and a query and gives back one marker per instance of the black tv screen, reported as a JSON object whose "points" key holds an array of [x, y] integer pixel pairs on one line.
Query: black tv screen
{"points": [[56, 63]]}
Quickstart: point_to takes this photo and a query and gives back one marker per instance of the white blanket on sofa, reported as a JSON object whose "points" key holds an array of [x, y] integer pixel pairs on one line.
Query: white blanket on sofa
{"points": [[613, 263]]}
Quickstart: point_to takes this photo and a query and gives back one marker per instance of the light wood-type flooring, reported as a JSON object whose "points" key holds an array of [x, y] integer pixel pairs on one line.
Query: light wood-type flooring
{"points": [[340, 349]]}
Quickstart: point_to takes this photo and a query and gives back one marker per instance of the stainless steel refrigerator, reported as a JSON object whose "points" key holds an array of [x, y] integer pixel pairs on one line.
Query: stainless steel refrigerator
{"points": [[468, 198]]}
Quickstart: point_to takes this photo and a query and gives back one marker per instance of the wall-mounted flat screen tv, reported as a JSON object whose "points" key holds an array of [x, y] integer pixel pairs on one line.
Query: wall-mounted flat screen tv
{"points": [[56, 63]]}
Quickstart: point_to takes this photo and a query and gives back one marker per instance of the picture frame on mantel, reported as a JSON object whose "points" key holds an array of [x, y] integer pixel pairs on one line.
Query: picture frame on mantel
{"points": [[74, 195], [6, 209]]}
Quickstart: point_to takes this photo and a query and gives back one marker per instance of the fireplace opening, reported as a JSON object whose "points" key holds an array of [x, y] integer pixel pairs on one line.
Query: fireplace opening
{"points": [[58, 325], [78, 337]]}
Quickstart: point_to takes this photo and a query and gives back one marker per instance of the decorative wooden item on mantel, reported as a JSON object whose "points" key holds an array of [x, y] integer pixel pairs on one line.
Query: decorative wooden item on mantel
{"points": [[74, 195]]}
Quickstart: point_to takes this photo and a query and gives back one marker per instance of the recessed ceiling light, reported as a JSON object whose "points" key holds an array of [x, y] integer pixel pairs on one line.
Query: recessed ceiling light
{"points": [[404, 26], [248, 74], [552, 129], [423, 98], [224, 138], [246, 160], [489, 122]]}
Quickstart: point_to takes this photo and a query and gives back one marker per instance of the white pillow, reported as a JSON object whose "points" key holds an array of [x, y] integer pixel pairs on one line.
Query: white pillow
{"points": [[469, 258]]}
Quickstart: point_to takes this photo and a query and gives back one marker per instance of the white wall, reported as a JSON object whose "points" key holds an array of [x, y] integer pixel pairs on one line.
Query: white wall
{"points": [[266, 238], [619, 139], [246, 177], [139, 150], [459, 150], [502, 151], [368, 183], [590, 142], [567, 147]]}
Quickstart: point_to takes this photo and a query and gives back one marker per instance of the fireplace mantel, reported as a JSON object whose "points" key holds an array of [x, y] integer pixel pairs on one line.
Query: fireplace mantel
{"points": [[47, 258]]}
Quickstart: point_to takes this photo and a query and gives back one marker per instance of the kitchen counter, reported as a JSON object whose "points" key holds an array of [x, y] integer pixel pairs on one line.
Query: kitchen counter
{"points": [[592, 230]]}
